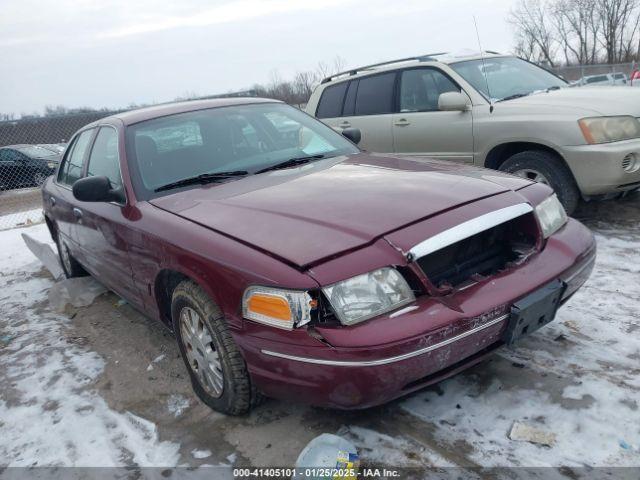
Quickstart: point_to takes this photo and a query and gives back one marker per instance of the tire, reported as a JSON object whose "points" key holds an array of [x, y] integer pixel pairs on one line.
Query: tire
{"points": [[550, 170], [70, 265], [213, 346]]}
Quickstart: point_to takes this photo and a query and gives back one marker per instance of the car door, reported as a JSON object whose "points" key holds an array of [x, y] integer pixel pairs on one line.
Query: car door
{"points": [[366, 103], [102, 228], [61, 200], [9, 170], [420, 128]]}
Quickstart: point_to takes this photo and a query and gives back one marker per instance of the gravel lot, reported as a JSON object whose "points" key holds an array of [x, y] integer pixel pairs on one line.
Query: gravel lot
{"points": [[104, 386]]}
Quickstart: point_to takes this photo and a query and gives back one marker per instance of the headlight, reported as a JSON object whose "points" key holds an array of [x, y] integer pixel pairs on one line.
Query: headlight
{"points": [[277, 307], [609, 129], [551, 215], [368, 295]]}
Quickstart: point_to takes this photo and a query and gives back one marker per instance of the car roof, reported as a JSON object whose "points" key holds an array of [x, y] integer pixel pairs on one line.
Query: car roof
{"points": [[148, 113], [425, 60]]}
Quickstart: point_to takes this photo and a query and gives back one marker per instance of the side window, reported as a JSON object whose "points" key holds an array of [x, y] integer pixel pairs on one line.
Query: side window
{"points": [[330, 105], [350, 99], [375, 94], [104, 158], [71, 169], [420, 89]]}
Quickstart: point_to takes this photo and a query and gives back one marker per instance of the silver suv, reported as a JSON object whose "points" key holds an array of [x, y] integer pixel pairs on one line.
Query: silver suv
{"points": [[496, 111]]}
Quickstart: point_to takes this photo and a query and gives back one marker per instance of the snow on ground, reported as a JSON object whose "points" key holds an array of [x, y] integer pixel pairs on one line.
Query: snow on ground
{"points": [[49, 415], [12, 220], [590, 354]]}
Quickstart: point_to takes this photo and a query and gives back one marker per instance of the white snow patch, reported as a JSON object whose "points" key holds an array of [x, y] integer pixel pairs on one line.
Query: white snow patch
{"points": [[49, 416], [177, 404], [21, 219], [198, 454]]}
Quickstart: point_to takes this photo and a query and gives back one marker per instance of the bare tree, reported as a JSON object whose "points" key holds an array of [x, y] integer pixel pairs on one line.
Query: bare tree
{"points": [[614, 17], [531, 18], [578, 27]]}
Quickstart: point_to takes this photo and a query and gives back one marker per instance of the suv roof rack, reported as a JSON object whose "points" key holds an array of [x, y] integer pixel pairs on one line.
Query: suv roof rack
{"points": [[421, 58]]}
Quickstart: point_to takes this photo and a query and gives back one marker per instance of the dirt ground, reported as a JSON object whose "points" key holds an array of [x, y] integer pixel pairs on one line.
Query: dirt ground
{"points": [[12, 201], [553, 380]]}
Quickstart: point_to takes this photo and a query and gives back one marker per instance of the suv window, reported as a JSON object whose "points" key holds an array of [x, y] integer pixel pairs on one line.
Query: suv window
{"points": [[71, 168], [375, 94], [104, 159], [330, 105], [421, 88]]}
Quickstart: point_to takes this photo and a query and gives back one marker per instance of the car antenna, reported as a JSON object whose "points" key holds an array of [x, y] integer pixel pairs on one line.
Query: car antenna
{"points": [[484, 70]]}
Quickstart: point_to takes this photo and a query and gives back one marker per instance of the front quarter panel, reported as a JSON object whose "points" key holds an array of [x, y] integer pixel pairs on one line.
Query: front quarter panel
{"points": [[551, 126], [223, 267]]}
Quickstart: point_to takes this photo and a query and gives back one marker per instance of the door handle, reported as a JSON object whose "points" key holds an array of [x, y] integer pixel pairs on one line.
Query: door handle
{"points": [[345, 124], [52, 201], [403, 122], [77, 213]]}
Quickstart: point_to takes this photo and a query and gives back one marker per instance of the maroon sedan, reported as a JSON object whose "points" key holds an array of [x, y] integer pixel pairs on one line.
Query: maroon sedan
{"points": [[291, 264]]}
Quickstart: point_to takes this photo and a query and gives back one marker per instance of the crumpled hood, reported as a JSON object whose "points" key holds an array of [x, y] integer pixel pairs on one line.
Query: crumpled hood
{"points": [[306, 214], [600, 100]]}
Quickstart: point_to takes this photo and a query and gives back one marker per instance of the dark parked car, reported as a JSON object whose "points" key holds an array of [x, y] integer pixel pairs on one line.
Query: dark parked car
{"points": [[298, 266], [26, 165]]}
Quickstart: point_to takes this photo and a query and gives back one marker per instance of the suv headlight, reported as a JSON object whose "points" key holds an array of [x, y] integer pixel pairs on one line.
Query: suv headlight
{"points": [[277, 307], [609, 129], [368, 295], [551, 215]]}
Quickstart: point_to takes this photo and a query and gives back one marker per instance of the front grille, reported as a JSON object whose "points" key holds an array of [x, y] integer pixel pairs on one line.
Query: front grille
{"points": [[482, 254]]}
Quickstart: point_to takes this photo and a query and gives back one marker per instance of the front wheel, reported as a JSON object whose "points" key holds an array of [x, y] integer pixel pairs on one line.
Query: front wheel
{"points": [[544, 167], [217, 370]]}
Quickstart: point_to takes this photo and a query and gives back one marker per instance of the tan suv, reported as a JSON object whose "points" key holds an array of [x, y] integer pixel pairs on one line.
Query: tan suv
{"points": [[496, 111]]}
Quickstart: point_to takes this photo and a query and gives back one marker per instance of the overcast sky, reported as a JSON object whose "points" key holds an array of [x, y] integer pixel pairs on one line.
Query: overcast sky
{"points": [[110, 53]]}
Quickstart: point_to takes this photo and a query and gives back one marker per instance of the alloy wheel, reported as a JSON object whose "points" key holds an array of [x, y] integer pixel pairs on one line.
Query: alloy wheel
{"points": [[202, 356], [39, 178]]}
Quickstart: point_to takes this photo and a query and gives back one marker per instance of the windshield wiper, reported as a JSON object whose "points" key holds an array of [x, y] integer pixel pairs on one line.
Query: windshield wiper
{"points": [[202, 178], [292, 162], [513, 97]]}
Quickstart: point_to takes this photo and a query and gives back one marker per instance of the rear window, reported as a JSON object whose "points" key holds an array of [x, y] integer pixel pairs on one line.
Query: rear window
{"points": [[330, 105], [375, 94], [71, 169]]}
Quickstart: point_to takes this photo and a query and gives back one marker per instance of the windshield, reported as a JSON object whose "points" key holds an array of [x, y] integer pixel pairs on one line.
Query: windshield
{"points": [[506, 76], [238, 138], [35, 151]]}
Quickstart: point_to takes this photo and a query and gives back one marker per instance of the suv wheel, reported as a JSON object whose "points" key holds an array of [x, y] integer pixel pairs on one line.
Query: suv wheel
{"points": [[70, 265], [217, 370], [545, 168]]}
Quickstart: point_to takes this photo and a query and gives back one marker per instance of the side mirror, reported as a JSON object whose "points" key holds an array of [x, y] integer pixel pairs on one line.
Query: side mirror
{"points": [[353, 134], [453, 102], [97, 189]]}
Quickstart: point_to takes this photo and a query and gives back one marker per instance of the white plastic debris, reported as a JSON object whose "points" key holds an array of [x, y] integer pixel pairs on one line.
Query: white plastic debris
{"points": [[78, 292], [526, 433], [45, 254], [328, 451]]}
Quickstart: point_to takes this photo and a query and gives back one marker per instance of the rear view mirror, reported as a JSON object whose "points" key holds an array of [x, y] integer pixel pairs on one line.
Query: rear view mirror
{"points": [[96, 189], [352, 134], [453, 102]]}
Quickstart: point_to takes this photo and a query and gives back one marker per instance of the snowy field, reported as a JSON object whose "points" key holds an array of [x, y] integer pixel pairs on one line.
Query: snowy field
{"points": [[102, 386]]}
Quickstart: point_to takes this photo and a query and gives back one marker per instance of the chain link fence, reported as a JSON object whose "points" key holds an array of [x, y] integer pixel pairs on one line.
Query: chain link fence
{"points": [[30, 151], [618, 74]]}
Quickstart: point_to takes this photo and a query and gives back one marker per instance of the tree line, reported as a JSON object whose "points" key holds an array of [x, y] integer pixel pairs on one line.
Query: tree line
{"points": [[582, 32]]}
